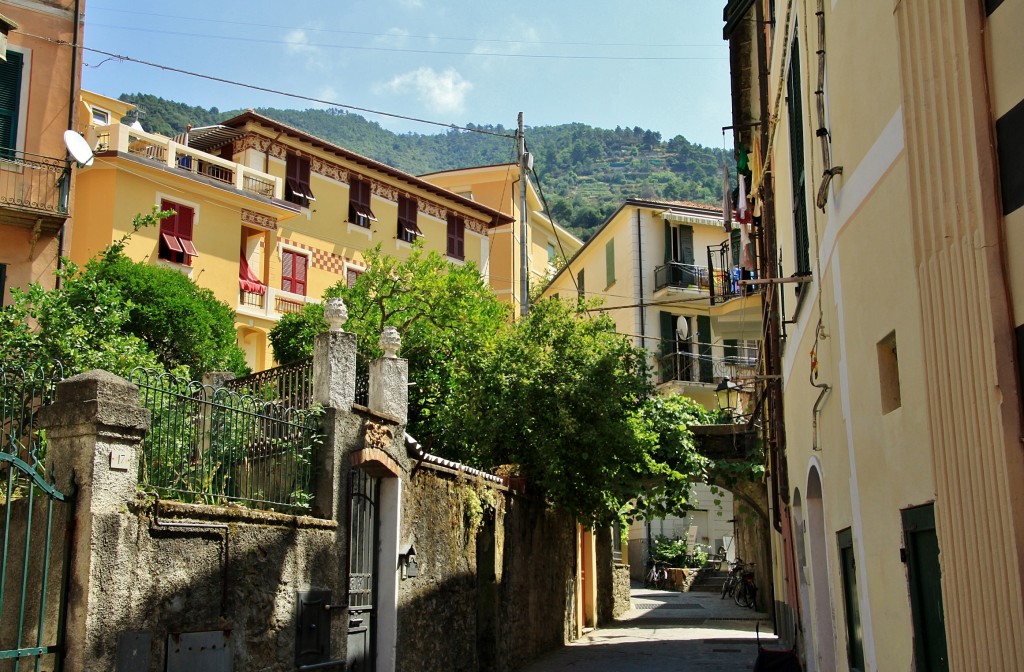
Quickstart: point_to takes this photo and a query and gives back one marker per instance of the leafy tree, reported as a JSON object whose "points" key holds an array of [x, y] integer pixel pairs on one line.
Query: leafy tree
{"points": [[558, 395]]}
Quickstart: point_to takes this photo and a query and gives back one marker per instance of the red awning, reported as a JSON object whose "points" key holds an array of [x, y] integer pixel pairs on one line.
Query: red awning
{"points": [[247, 280]]}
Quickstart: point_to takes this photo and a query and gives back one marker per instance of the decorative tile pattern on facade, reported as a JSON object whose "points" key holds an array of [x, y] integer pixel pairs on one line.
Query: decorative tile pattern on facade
{"points": [[258, 219], [328, 261]]}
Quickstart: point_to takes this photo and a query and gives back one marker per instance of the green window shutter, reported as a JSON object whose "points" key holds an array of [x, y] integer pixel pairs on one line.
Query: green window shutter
{"points": [[731, 348], [686, 245], [734, 245], [10, 98], [704, 348], [581, 285], [609, 262], [796, 154], [668, 331], [668, 242]]}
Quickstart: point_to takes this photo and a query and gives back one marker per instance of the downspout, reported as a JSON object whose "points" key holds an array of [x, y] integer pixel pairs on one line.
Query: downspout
{"points": [[640, 267], [72, 99]]}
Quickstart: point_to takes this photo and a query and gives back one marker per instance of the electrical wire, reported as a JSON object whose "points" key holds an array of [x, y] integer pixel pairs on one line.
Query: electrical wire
{"points": [[266, 89], [558, 239], [437, 52], [277, 27]]}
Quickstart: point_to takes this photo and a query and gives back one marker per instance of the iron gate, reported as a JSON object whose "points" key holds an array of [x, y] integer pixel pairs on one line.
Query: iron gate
{"points": [[36, 520], [364, 499]]}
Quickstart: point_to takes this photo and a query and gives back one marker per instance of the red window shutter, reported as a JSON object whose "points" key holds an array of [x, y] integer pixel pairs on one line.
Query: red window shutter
{"points": [[300, 274], [456, 236], [185, 217], [287, 262]]}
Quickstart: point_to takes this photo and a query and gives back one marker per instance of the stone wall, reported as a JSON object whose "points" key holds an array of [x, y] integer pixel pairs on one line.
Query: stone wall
{"points": [[494, 586]]}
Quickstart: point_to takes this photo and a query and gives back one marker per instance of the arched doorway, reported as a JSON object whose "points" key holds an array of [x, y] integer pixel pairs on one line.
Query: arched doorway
{"points": [[803, 585], [824, 626]]}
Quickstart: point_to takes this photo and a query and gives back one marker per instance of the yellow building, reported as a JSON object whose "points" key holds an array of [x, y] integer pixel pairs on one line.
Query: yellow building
{"points": [[666, 273], [267, 216], [39, 81], [888, 148], [548, 244]]}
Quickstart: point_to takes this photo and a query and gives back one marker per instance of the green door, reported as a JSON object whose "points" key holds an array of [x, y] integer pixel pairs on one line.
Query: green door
{"points": [[854, 634], [924, 576]]}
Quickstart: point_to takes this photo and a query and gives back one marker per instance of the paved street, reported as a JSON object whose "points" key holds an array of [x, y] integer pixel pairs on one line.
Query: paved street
{"points": [[667, 630]]}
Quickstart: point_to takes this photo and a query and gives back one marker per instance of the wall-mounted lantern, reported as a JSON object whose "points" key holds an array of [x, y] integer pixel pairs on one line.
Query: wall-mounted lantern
{"points": [[407, 562], [728, 396]]}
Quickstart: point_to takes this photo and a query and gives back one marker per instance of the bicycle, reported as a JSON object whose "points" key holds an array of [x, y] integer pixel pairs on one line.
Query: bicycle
{"points": [[657, 575], [746, 590], [733, 579]]}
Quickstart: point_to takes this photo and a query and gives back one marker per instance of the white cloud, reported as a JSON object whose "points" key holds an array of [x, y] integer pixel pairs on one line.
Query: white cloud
{"points": [[393, 37], [442, 92], [297, 42]]}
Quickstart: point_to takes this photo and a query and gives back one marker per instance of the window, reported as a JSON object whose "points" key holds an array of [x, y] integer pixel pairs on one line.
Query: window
{"points": [[359, 211], [176, 234], [609, 263], [796, 153], [297, 180], [407, 210], [351, 276], [100, 117], [552, 255], [456, 236], [293, 272], [10, 98], [581, 285], [889, 373]]}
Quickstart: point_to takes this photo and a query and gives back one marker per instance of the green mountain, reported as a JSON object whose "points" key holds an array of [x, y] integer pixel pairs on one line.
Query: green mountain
{"points": [[585, 173]]}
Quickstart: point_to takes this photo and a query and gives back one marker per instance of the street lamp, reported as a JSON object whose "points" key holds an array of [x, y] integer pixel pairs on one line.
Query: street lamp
{"points": [[728, 394]]}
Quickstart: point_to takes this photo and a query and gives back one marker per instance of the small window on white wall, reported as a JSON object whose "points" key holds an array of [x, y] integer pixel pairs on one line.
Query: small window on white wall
{"points": [[100, 117]]}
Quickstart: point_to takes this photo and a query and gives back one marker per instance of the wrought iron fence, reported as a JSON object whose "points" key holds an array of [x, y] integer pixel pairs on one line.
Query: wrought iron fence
{"points": [[214, 445], [291, 384], [23, 391], [702, 368], [362, 381]]}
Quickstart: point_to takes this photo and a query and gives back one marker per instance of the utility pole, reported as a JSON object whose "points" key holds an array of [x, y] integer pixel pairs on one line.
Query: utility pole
{"points": [[525, 163]]}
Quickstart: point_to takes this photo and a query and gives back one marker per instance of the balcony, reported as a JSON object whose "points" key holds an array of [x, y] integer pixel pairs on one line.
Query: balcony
{"points": [[681, 276], [703, 369], [34, 189], [175, 156], [725, 274], [271, 305]]}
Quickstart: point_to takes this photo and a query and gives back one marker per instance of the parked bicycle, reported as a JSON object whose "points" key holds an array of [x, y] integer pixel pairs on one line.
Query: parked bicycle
{"points": [[733, 579], [657, 576], [746, 590]]}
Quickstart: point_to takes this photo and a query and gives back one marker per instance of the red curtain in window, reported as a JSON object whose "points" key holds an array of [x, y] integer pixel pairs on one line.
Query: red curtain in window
{"points": [[456, 236], [293, 272]]}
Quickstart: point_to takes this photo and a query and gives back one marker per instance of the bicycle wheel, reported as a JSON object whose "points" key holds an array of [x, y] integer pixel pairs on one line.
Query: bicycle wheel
{"points": [[742, 595], [727, 587]]}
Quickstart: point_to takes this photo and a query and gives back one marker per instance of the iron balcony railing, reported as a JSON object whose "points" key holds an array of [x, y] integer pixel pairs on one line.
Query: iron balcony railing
{"points": [[33, 182], [680, 275], [689, 367], [725, 274], [214, 445]]}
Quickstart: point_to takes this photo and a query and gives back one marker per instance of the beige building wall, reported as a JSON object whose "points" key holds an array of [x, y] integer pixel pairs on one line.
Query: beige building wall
{"points": [[908, 319]]}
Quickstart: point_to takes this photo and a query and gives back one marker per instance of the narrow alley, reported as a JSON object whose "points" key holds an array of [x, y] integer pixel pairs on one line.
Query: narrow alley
{"points": [[668, 630]]}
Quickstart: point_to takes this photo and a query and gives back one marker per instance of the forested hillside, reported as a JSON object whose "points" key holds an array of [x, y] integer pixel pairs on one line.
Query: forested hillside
{"points": [[585, 172]]}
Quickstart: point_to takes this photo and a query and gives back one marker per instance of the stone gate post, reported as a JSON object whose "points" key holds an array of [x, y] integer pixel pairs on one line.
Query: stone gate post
{"points": [[94, 432]]}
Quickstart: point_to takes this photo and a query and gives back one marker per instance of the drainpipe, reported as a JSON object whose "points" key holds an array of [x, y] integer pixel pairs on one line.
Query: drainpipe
{"points": [[640, 266], [72, 99]]}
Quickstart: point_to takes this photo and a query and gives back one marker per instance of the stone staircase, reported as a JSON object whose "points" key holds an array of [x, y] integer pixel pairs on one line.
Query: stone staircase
{"points": [[710, 582]]}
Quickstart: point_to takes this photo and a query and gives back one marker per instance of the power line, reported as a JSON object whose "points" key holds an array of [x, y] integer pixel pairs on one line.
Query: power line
{"points": [[278, 27], [584, 57], [266, 89]]}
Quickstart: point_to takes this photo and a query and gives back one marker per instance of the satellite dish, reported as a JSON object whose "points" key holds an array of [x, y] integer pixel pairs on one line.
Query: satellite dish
{"points": [[79, 148], [682, 328]]}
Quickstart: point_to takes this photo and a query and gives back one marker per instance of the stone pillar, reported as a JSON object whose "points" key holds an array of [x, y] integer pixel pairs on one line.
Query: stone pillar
{"points": [[334, 386], [95, 430], [389, 380]]}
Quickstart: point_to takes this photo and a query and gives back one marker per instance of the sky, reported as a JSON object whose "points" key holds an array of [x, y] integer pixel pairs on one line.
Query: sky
{"points": [[658, 64]]}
